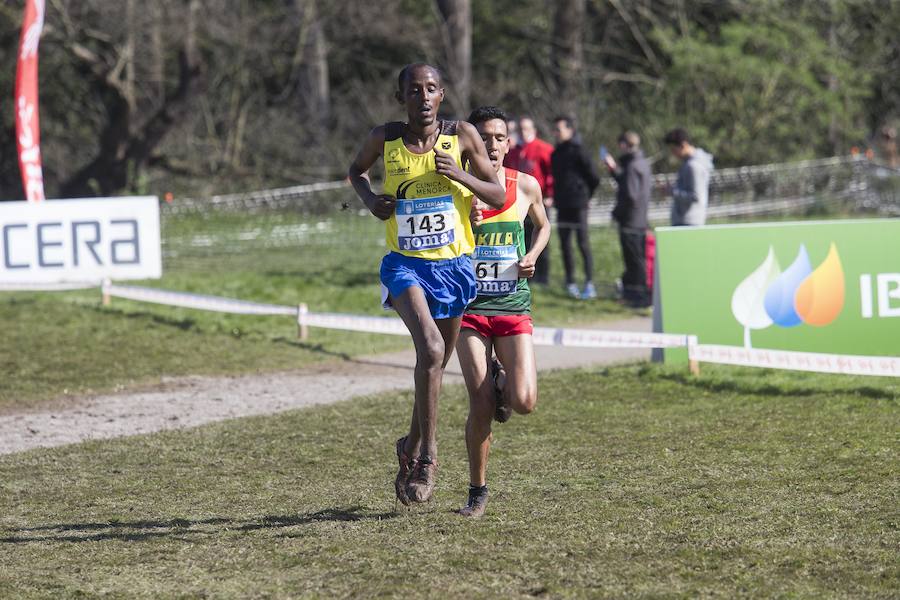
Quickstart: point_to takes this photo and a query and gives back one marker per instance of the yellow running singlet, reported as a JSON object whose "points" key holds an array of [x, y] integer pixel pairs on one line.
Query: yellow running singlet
{"points": [[432, 216]]}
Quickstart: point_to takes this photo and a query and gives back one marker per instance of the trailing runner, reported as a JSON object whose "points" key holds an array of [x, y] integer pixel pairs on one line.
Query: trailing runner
{"points": [[499, 319]]}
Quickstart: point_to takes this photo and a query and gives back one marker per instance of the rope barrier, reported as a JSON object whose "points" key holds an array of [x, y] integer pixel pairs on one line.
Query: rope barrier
{"points": [[543, 336]]}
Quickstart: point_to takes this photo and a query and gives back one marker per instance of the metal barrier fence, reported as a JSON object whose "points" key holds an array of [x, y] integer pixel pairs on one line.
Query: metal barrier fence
{"points": [[308, 217]]}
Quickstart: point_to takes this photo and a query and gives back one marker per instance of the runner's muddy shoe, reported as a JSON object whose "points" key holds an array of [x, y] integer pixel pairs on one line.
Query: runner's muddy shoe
{"points": [[502, 410], [406, 467], [477, 502], [420, 486]]}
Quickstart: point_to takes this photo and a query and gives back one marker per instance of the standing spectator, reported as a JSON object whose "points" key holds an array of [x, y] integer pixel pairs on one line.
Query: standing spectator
{"points": [[632, 174], [515, 145], [532, 155], [690, 195], [887, 146], [574, 180]]}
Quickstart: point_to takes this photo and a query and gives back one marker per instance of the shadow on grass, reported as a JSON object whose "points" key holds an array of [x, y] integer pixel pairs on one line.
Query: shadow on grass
{"points": [[334, 276], [181, 528], [188, 324], [768, 389], [314, 348], [182, 324]]}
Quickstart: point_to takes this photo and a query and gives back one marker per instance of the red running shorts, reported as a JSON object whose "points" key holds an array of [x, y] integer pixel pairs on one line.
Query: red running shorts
{"points": [[498, 325]]}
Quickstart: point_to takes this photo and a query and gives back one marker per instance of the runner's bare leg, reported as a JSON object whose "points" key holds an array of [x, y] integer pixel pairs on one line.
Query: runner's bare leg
{"points": [[449, 331], [434, 341], [516, 353], [474, 357]]}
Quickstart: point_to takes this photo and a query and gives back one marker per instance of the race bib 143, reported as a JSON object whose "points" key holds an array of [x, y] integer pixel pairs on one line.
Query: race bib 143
{"points": [[425, 223]]}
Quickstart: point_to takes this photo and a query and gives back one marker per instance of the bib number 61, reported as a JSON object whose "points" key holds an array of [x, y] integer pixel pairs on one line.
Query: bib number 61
{"points": [[484, 270]]}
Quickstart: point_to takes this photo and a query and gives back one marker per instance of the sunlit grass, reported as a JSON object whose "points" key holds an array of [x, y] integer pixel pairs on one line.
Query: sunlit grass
{"points": [[633, 481]]}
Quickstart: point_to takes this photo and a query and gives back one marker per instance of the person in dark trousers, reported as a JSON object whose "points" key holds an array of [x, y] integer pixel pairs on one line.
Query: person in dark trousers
{"points": [[574, 180], [634, 180], [531, 155]]}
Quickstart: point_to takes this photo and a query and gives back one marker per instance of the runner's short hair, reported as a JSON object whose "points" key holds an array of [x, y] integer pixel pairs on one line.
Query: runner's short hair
{"points": [[487, 113], [405, 71]]}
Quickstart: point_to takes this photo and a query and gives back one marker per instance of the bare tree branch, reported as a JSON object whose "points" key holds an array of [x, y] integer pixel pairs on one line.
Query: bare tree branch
{"points": [[638, 35]]}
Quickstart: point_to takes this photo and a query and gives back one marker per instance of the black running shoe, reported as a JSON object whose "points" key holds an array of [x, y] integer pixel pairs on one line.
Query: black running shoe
{"points": [[502, 410], [477, 502]]}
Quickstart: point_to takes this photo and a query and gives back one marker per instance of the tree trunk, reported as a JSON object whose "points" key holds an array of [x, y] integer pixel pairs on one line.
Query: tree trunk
{"points": [[567, 53], [314, 74], [130, 35], [456, 25], [158, 64], [833, 84]]}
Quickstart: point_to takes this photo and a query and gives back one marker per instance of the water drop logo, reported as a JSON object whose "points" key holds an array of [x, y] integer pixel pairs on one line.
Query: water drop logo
{"points": [[820, 298], [790, 298], [779, 301]]}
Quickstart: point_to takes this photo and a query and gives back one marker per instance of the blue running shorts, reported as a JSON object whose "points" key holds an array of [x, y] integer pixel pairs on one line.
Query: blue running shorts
{"points": [[449, 285]]}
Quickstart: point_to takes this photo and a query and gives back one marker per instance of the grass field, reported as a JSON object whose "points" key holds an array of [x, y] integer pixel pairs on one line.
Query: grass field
{"points": [[65, 343], [634, 481]]}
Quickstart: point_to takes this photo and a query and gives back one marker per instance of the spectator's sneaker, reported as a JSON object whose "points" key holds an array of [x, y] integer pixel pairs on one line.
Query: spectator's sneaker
{"points": [[573, 290], [590, 292], [420, 485], [477, 502], [406, 466], [502, 410]]}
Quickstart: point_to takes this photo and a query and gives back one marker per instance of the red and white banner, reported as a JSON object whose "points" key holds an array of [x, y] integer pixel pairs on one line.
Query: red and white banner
{"points": [[27, 130]]}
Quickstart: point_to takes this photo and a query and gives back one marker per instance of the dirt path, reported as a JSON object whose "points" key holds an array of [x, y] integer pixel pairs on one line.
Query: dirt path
{"points": [[191, 401]]}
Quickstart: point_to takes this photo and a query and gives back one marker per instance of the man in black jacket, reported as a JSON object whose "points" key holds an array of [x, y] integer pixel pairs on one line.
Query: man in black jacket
{"points": [[632, 174], [574, 180]]}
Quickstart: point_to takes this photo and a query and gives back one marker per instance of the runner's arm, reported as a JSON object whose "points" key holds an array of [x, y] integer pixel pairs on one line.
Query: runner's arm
{"points": [[380, 205], [482, 180], [529, 186]]}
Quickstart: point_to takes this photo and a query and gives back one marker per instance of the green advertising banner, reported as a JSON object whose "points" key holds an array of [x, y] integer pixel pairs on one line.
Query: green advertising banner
{"points": [[826, 286]]}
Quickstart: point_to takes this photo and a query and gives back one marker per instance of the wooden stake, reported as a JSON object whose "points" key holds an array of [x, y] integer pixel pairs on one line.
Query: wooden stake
{"points": [[693, 363], [694, 366], [302, 329]]}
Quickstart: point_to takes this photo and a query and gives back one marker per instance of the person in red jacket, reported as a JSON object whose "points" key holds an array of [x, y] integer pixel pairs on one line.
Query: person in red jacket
{"points": [[532, 156]]}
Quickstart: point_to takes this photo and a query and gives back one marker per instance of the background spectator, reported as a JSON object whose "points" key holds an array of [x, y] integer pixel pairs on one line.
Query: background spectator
{"points": [[632, 174], [690, 195], [515, 141], [574, 180], [532, 156], [887, 146]]}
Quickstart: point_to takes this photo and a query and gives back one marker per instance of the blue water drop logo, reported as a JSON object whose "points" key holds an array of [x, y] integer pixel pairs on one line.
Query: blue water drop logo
{"points": [[779, 301]]}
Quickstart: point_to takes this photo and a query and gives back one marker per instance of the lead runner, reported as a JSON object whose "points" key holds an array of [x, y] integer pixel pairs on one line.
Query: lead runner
{"points": [[427, 275], [499, 320]]}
